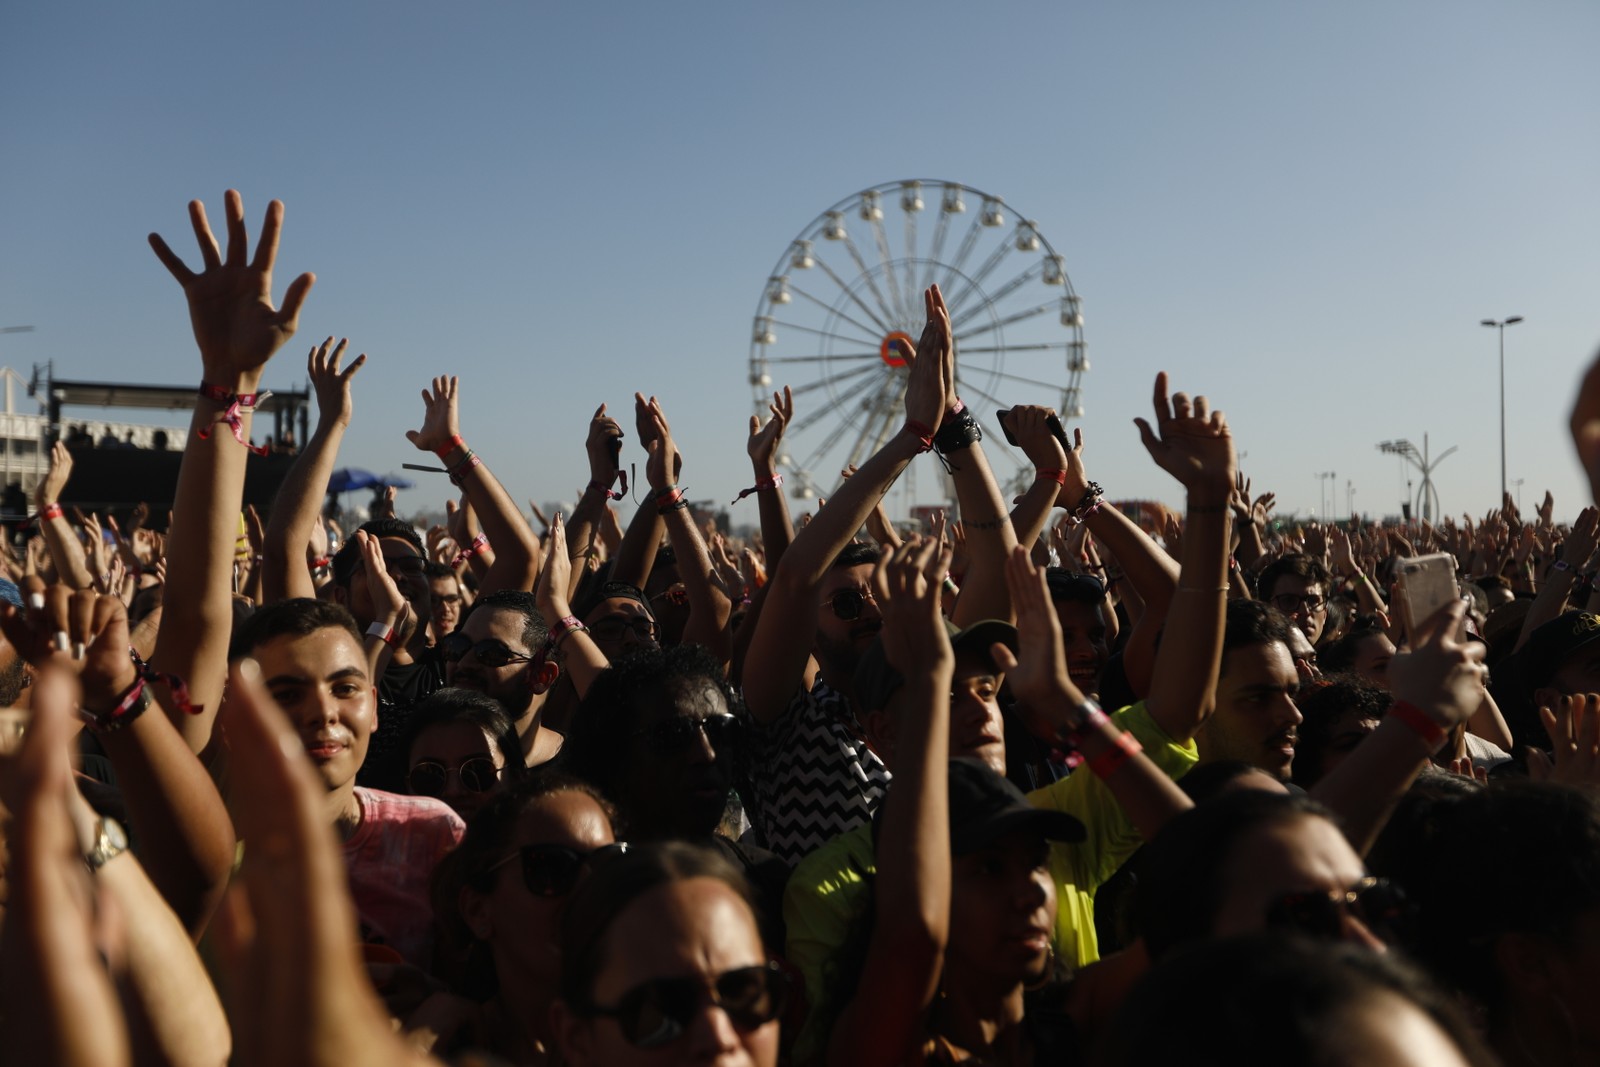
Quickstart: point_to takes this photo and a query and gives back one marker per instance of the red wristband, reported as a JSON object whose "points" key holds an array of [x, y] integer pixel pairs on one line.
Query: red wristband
{"points": [[765, 483], [478, 544], [454, 443], [1110, 761], [51, 512], [1421, 723], [1054, 474], [923, 432], [383, 633]]}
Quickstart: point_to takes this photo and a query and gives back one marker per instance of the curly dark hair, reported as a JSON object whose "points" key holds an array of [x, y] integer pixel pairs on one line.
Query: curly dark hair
{"points": [[1323, 706]]}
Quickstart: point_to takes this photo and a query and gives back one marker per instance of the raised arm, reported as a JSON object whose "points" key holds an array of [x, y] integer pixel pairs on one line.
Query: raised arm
{"points": [[709, 607], [1056, 711], [911, 894], [1031, 426], [297, 509], [1557, 582], [516, 550], [1191, 442], [603, 445], [237, 330], [781, 644], [66, 552], [1437, 685], [185, 838], [580, 657], [765, 439]]}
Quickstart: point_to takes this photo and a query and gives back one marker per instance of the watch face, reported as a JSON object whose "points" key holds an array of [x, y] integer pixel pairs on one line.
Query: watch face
{"points": [[116, 836]]}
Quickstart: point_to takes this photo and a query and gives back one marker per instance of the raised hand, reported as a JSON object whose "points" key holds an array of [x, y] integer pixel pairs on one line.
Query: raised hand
{"points": [[332, 385], [439, 422], [1190, 441], [765, 438], [1441, 674], [907, 583], [930, 384], [79, 632], [604, 446], [550, 594], [1580, 543], [48, 491], [230, 301], [665, 462], [1037, 673], [1574, 729], [388, 604]]}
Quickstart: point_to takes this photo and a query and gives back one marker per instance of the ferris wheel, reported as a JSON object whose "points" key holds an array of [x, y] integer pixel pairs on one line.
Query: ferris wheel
{"points": [[849, 287]]}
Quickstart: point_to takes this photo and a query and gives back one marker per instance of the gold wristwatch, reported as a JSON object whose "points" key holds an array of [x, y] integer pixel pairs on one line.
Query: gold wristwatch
{"points": [[110, 840]]}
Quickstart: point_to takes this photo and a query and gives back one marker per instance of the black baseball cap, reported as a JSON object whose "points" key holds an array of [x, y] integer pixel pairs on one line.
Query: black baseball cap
{"points": [[1552, 644]]}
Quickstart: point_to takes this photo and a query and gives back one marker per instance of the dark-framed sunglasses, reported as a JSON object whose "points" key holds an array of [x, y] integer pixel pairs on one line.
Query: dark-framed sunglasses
{"points": [[657, 1012], [1379, 904], [1289, 603], [553, 870], [491, 651], [1060, 583], [673, 737], [430, 778], [613, 627], [847, 603]]}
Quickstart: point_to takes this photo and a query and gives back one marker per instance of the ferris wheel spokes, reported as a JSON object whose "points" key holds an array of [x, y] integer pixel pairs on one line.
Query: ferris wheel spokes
{"points": [[868, 330], [853, 295], [996, 324], [869, 277]]}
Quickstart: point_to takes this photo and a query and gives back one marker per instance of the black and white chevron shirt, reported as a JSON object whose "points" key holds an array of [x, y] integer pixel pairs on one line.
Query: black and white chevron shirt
{"points": [[814, 775]]}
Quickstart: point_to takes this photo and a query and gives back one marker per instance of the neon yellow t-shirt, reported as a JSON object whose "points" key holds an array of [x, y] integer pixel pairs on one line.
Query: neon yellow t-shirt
{"points": [[1081, 868]]}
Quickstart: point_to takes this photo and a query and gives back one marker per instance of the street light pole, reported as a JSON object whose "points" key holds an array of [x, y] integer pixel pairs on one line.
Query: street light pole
{"points": [[1509, 320]]}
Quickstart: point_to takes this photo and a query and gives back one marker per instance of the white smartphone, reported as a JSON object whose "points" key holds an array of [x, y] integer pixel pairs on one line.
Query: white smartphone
{"points": [[1424, 585]]}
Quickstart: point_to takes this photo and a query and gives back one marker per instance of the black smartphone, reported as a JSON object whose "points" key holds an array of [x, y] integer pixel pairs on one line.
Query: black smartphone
{"points": [[1052, 422]]}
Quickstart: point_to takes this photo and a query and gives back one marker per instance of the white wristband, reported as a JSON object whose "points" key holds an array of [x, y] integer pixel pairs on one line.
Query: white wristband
{"points": [[382, 632]]}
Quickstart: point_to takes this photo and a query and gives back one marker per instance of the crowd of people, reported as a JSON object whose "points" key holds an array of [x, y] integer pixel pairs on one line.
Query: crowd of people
{"points": [[1033, 786]]}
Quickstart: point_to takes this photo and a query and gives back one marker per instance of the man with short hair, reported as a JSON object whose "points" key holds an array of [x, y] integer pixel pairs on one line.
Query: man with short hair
{"points": [[1255, 718], [444, 588], [1297, 585], [501, 650], [312, 662]]}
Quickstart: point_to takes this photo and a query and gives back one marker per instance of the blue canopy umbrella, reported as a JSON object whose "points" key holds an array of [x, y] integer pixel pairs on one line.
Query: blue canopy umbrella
{"points": [[348, 479]]}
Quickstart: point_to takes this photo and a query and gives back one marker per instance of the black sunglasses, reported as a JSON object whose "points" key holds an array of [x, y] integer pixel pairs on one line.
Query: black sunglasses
{"points": [[612, 627], [1379, 904], [674, 736], [553, 870], [1061, 582], [430, 778], [491, 651], [847, 603], [656, 1013]]}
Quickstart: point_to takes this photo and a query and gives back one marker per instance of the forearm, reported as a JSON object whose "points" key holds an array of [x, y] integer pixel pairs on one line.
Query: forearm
{"points": [[1145, 565], [186, 839], [1365, 787], [990, 538], [1187, 664], [1032, 513], [1250, 547], [640, 543], [1550, 602], [72, 565], [1146, 795], [1489, 724], [777, 530], [193, 641], [709, 607], [295, 513], [516, 562], [166, 984]]}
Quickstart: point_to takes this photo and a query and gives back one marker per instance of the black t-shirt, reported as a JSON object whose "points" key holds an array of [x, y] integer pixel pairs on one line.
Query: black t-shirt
{"points": [[400, 690]]}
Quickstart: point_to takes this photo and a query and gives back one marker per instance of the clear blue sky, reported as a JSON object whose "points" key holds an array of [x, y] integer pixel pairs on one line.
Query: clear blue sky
{"points": [[1302, 210]]}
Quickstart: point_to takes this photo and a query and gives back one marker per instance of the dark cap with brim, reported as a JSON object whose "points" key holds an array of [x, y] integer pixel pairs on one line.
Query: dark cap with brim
{"points": [[1552, 644], [985, 806], [876, 681]]}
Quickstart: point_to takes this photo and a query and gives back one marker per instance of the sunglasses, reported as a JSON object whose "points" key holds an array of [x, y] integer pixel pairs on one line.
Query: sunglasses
{"points": [[553, 870], [491, 651], [407, 565], [656, 1013], [847, 603], [674, 736], [430, 778], [612, 627], [1379, 904], [1060, 583], [1289, 603]]}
